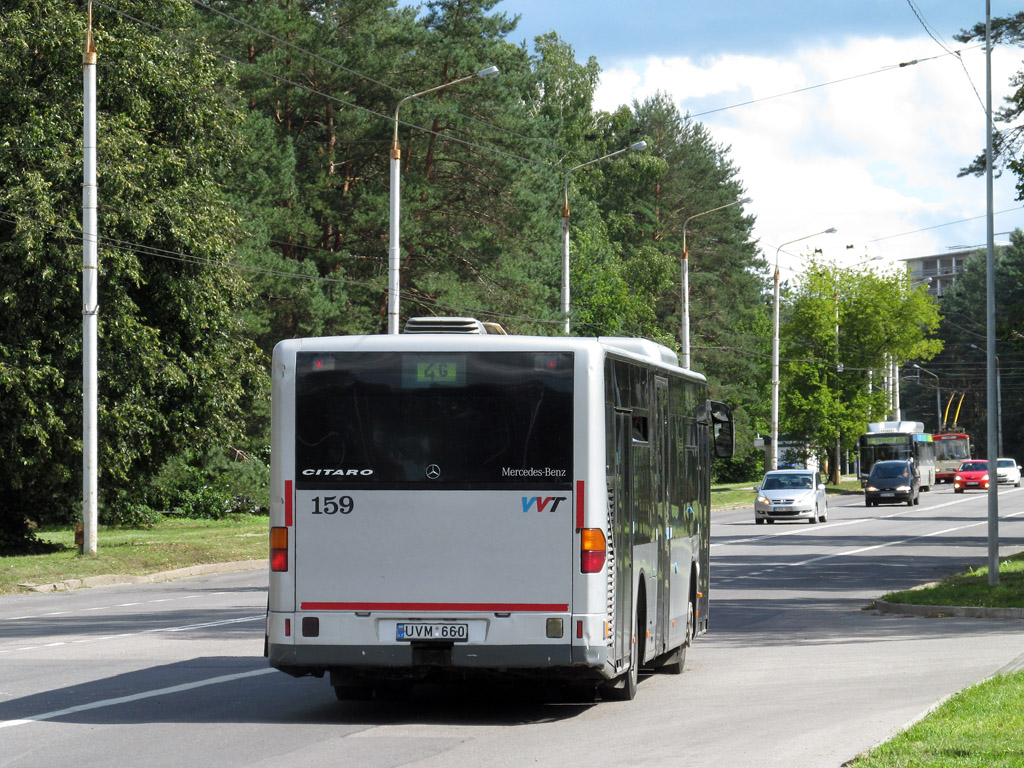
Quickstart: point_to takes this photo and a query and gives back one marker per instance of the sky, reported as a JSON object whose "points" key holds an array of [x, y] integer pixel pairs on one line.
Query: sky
{"points": [[874, 151]]}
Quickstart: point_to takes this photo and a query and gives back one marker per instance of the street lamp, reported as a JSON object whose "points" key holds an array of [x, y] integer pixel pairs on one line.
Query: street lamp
{"points": [[635, 147], [938, 397], [999, 404], [394, 264], [684, 331], [837, 471], [773, 454]]}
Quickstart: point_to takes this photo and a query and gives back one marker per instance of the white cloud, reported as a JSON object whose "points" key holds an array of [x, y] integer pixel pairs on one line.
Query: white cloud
{"points": [[873, 156]]}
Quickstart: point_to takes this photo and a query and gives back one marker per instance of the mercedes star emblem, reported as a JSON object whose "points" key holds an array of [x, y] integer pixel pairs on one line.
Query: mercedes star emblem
{"points": [[433, 472]]}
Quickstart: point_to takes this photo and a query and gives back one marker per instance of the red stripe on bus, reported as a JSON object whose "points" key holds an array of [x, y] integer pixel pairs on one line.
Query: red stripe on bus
{"points": [[579, 505], [490, 607], [288, 503]]}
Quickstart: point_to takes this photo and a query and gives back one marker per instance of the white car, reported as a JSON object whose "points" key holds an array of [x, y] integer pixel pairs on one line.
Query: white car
{"points": [[1007, 471], [791, 494]]}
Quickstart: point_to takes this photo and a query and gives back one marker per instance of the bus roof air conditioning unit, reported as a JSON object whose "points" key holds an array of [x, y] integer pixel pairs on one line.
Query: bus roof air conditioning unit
{"points": [[896, 426], [468, 325]]}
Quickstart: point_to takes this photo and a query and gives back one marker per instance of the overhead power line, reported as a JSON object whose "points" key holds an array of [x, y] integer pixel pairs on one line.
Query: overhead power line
{"points": [[889, 68]]}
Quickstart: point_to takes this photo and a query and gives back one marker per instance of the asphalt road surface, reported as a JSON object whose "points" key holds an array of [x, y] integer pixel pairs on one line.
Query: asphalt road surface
{"points": [[794, 672]]}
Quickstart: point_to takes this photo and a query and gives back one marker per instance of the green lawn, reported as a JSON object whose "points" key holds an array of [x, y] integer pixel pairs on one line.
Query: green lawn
{"points": [[981, 727], [972, 588], [174, 543]]}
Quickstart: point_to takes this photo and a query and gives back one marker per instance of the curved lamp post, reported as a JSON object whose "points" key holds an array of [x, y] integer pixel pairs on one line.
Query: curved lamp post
{"points": [[773, 461], [636, 147], [394, 265], [684, 331]]}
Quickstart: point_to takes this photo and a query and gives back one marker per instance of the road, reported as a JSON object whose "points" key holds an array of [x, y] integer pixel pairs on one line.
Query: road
{"points": [[794, 671]]}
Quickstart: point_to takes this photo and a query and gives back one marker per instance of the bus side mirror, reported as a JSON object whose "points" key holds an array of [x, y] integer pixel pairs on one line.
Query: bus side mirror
{"points": [[722, 429]]}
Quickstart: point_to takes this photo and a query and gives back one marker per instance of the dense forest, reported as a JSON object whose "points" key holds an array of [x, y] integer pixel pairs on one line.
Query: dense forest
{"points": [[244, 198]]}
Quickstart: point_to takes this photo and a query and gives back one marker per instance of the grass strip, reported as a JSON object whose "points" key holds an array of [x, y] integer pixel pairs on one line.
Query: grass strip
{"points": [[172, 543], [972, 589], [980, 727]]}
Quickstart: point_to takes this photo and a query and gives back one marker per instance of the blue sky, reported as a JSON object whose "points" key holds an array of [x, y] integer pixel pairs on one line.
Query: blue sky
{"points": [[875, 155], [613, 30]]}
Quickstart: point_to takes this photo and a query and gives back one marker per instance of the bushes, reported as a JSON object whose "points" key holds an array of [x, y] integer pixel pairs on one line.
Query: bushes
{"points": [[214, 486], [739, 469], [211, 486]]}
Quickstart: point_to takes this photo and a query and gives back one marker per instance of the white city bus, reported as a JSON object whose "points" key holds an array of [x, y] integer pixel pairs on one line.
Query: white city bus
{"points": [[452, 504]]}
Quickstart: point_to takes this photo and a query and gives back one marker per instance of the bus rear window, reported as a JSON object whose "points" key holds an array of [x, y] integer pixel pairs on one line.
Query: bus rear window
{"points": [[405, 419]]}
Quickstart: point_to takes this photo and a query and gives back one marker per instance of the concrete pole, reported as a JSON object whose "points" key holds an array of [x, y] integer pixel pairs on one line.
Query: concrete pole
{"points": [[90, 307], [565, 263], [773, 454], [394, 262], [685, 331], [992, 369]]}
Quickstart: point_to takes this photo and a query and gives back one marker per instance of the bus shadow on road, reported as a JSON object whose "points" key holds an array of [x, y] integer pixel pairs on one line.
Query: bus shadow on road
{"points": [[240, 690]]}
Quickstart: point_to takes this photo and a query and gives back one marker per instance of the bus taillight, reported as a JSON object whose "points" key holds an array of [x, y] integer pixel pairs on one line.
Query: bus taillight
{"points": [[278, 549], [592, 550]]}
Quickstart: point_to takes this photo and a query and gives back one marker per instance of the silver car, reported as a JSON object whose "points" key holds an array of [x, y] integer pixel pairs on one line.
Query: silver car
{"points": [[791, 494], [1007, 471]]}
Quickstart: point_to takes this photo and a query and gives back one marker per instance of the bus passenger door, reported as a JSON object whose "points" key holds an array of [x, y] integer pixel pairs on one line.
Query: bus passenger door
{"points": [[622, 534], [660, 433]]}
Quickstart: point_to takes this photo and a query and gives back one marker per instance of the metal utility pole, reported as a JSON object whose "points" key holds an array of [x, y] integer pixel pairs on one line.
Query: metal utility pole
{"points": [[635, 147], [990, 319], [684, 281], [394, 262], [773, 454], [90, 307]]}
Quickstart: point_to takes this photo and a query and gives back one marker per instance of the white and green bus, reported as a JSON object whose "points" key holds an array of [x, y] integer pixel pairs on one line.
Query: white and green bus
{"points": [[452, 504]]}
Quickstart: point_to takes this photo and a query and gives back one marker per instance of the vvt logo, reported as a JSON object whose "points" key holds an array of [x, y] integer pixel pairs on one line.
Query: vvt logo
{"points": [[542, 502]]}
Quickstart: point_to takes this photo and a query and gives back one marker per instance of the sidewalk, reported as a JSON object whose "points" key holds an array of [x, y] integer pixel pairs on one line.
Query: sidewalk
{"points": [[179, 573]]}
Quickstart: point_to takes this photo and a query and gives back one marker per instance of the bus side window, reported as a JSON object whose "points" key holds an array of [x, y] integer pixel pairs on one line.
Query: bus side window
{"points": [[640, 429]]}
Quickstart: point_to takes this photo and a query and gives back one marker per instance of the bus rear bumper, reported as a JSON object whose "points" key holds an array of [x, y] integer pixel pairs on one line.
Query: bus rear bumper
{"points": [[291, 657]]}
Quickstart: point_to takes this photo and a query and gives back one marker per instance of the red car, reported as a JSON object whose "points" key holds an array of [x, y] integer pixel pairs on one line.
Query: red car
{"points": [[972, 474]]}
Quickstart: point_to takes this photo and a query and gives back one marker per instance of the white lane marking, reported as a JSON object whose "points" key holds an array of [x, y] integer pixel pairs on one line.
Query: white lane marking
{"points": [[135, 697], [108, 607], [184, 628], [780, 566]]}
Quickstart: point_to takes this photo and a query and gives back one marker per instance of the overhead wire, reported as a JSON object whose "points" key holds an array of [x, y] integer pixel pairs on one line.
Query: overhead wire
{"points": [[438, 134], [934, 35], [226, 264], [888, 68]]}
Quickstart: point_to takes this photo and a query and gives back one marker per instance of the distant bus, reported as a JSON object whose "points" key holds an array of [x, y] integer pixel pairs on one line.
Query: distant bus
{"points": [[447, 505], [898, 440], [951, 448]]}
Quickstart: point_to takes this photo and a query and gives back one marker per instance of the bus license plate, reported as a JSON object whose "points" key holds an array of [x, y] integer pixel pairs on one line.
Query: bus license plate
{"points": [[431, 631]]}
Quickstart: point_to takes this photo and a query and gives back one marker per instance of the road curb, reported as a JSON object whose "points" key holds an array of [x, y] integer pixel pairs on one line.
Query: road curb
{"points": [[178, 573], [945, 611]]}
